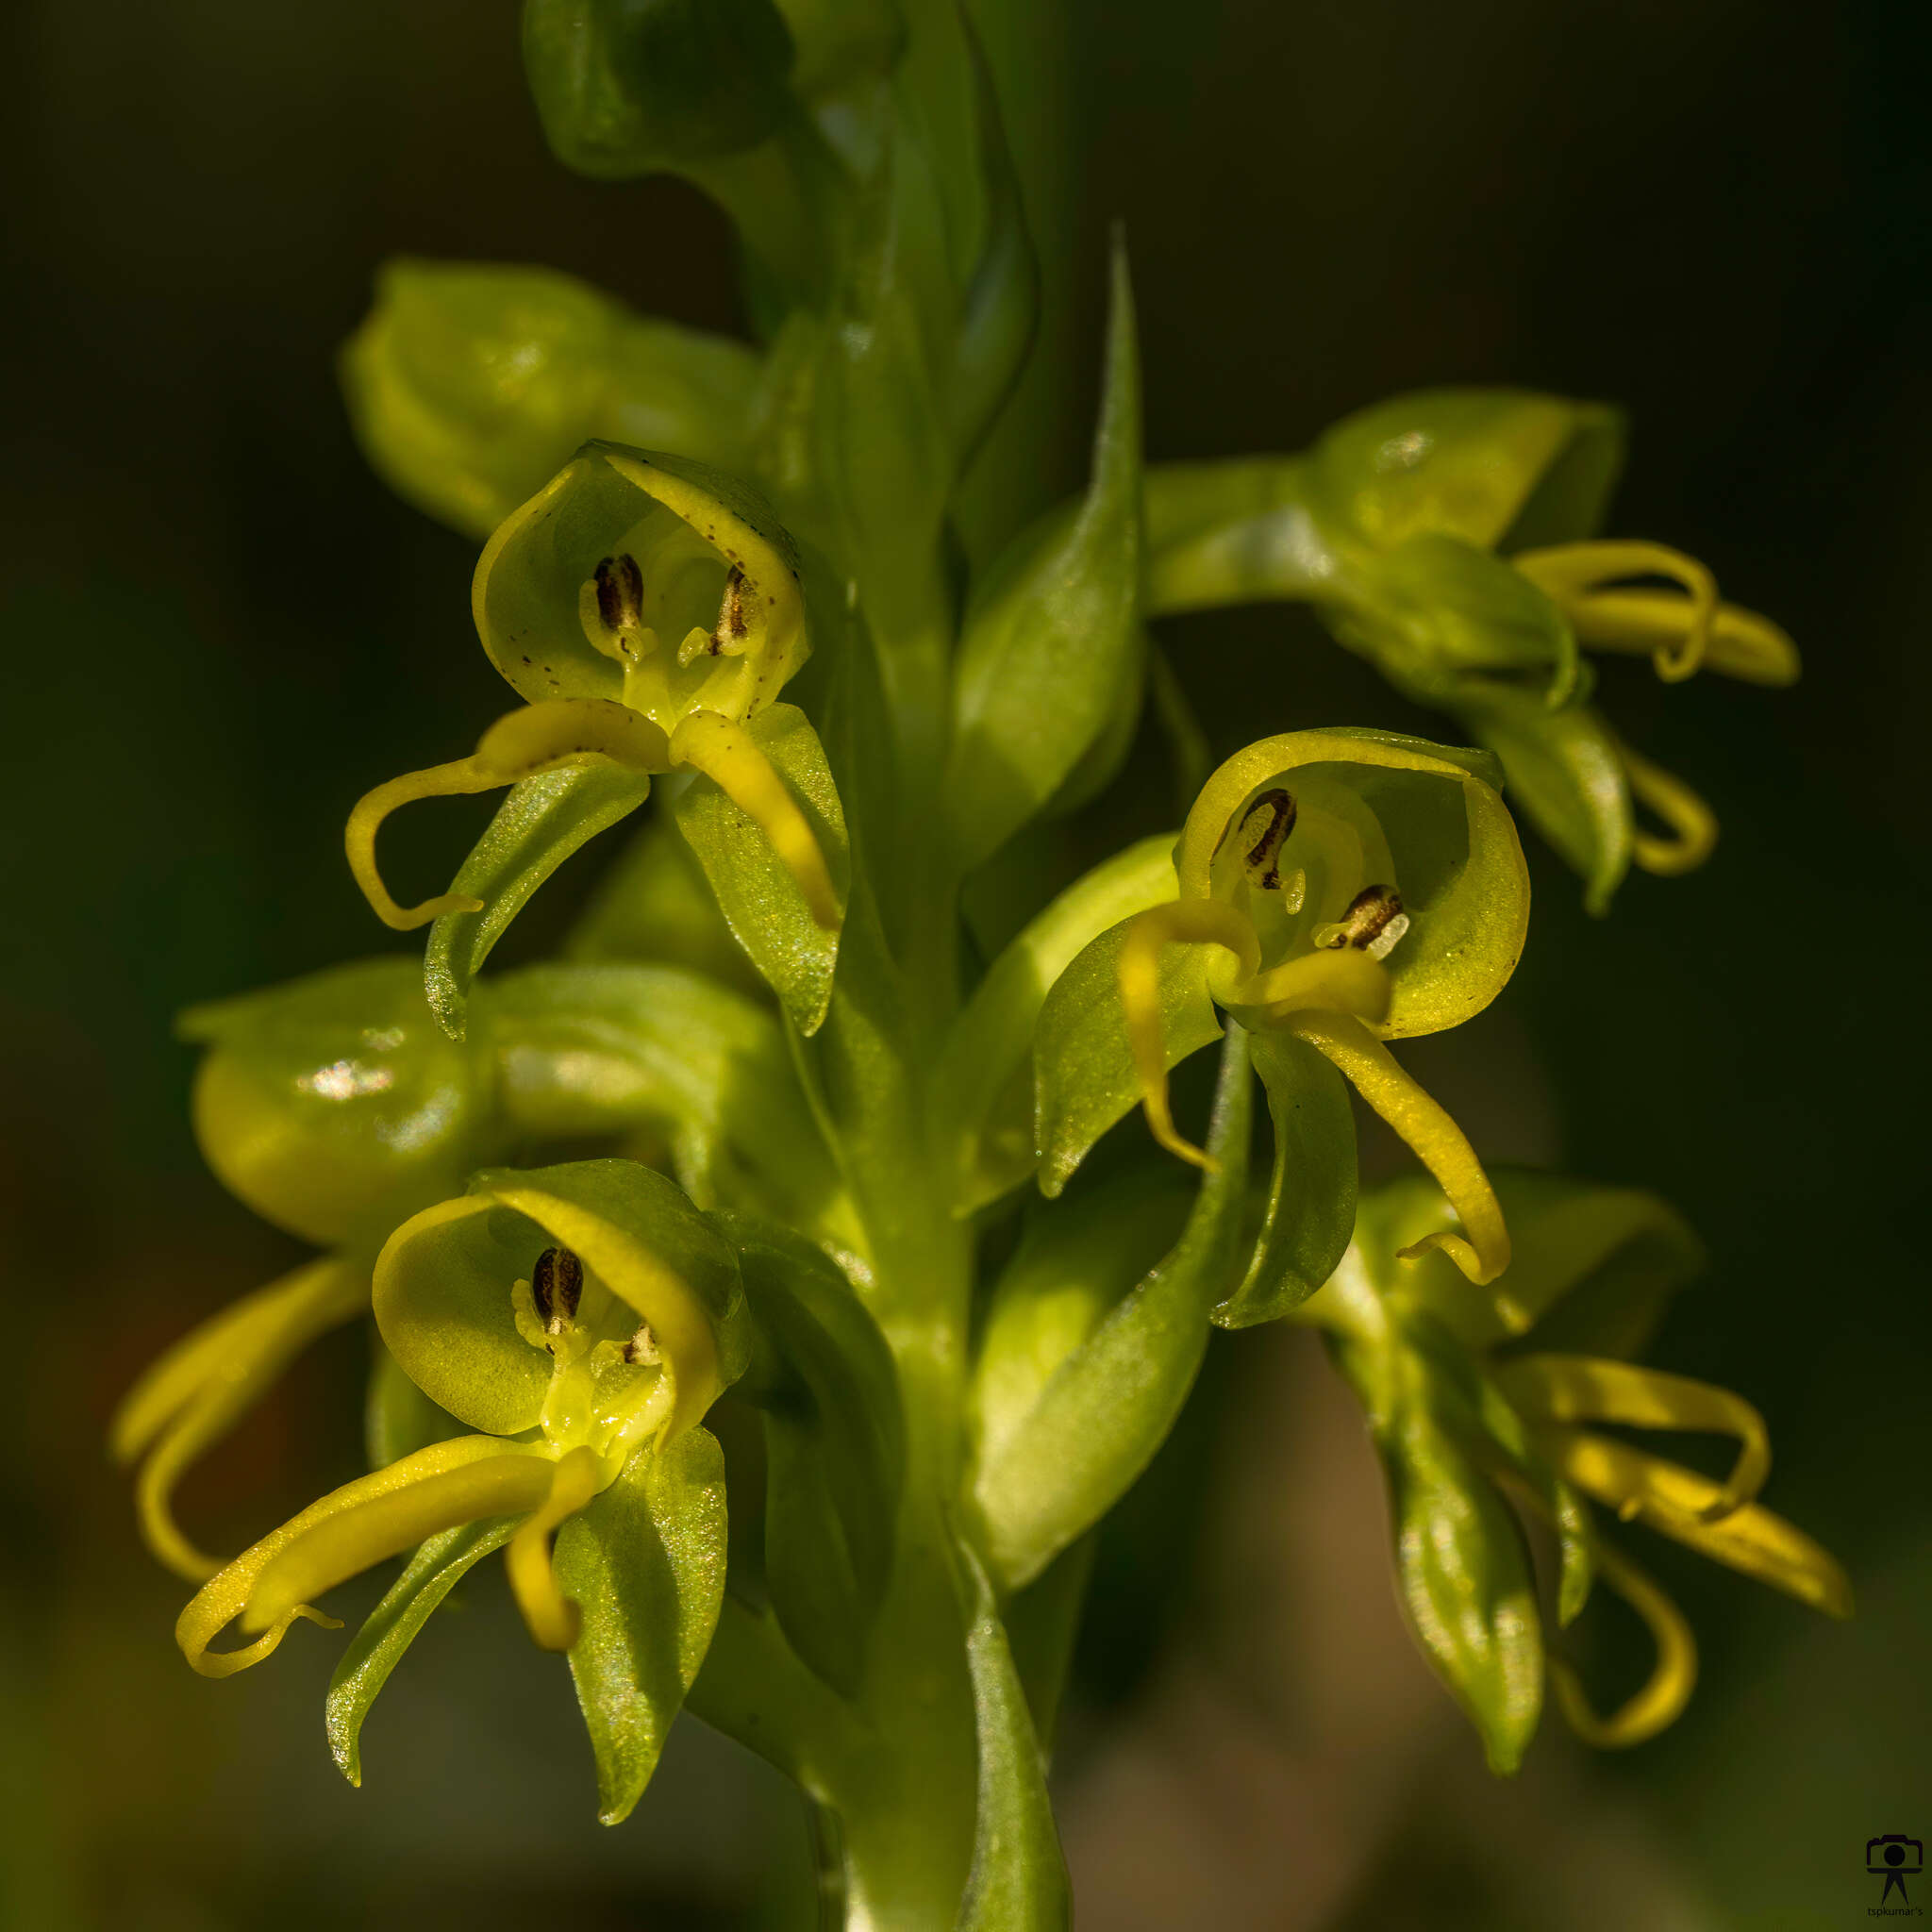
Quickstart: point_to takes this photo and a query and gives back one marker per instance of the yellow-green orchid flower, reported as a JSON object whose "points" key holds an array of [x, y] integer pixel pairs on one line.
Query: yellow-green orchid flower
{"points": [[1449, 537], [336, 1108], [1341, 890], [578, 1317], [649, 610], [1468, 1414]]}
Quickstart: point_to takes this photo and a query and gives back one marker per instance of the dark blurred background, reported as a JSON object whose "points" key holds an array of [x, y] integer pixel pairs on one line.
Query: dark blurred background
{"points": [[220, 630]]}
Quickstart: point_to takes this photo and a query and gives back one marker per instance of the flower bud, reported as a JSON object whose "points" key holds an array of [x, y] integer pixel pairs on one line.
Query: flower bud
{"points": [[471, 384], [333, 1103], [630, 87]]}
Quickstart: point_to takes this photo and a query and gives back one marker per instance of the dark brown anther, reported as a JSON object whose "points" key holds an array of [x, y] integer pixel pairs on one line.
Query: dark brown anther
{"points": [[1373, 922], [621, 592], [1264, 838], [557, 1285], [642, 1346], [729, 634]]}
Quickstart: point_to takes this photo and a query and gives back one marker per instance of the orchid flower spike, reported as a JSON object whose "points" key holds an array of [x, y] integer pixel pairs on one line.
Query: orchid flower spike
{"points": [[1346, 888], [649, 610], [577, 1318]]}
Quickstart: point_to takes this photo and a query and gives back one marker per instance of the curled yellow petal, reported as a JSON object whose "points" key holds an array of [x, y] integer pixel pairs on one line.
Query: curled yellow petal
{"points": [[1482, 1251], [552, 1619], [360, 1533], [1181, 922], [194, 1394], [1692, 824], [737, 764], [1585, 1389], [224, 1595], [1680, 1503], [1573, 576], [1662, 1699], [1742, 643], [538, 738]]}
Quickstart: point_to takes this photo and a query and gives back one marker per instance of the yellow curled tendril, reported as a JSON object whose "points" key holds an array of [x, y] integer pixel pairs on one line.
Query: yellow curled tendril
{"points": [[727, 755], [538, 738], [1693, 822], [1679, 1502], [1585, 1389], [1662, 1699], [1574, 577], [227, 1594], [552, 1620], [194, 1393], [1743, 643], [1482, 1251], [1181, 922]]}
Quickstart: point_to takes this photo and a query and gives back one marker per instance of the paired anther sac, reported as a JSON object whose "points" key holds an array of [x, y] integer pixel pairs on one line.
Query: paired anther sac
{"points": [[1372, 924], [619, 586], [620, 593], [1265, 830], [557, 1286]]}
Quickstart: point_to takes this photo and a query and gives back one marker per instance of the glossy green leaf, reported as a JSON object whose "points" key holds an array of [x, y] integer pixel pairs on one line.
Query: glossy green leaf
{"points": [[829, 1389], [1077, 1257], [471, 384], [756, 893], [985, 1070], [1001, 310], [438, 1566], [645, 1565], [1110, 1404], [1465, 1581], [1462, 1573], [1310, 1211], [397, 1418], [1566, 776], [536, 828], [1043, 1625], [1053, 633], [334, 1105], [1018, 1881], [1084, 1077], [612, 1049], [654, 906], [628, 86]]}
